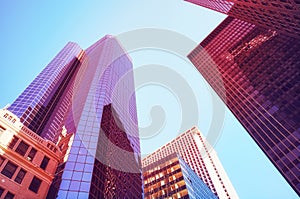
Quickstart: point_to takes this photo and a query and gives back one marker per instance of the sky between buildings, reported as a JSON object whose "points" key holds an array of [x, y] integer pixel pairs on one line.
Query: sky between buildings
{"points": [[33, 32]]}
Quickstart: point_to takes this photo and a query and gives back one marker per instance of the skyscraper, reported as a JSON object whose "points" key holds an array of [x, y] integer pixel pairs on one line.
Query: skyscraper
{"points": [[43, 105], [280, 15], [171, 177], [89, 93], [256, 72], [201, 157]]}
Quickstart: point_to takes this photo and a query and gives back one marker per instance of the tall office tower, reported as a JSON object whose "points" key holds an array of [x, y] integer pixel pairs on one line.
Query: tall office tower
{"points": [[280, 15], [256, 73], [89, 93], [43, 104], [171, 177], [201, 157]]}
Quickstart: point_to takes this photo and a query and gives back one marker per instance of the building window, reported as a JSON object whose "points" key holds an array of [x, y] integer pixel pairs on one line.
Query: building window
{"points": [[35, 184], [9, 169], [1, 191], [20, 176], [44, 162], [13, 142], [31, 154], [9, 195], [2, 129], [22, 148]]}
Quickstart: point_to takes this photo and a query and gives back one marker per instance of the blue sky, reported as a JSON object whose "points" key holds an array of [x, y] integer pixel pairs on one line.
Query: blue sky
{"points": [[33, 32]]}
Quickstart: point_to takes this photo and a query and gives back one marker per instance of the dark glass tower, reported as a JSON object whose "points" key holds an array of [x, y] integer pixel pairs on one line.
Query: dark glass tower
{"points": [[89, 93], [256, 72], [280, 15], [43, 105]]}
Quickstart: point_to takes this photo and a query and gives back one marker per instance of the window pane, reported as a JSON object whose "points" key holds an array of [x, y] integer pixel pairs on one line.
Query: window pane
{"points": [[44, 162], [22, 148], [1, 191], [31, 154], [9, 195], [20, 176], [9, 169], [2, 129], [13, 142], [35, 184]]}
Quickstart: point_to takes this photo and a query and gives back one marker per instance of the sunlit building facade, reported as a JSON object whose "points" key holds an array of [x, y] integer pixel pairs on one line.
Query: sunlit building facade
{"points": [[280, 15], [194, 149], [256, 72], [88, 96], [171, 177], [27, 161]]}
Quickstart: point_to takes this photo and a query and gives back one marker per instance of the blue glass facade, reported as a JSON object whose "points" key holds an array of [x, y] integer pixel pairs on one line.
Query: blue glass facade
{"points": [[197, 189]]}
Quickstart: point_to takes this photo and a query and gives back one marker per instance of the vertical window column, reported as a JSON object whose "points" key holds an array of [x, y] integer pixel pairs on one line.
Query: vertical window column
{"points": [[9, 195], [9, 169], [22, 148], [44, 162], [31, 154], [20, 176], [13, 142], [35, 184]]}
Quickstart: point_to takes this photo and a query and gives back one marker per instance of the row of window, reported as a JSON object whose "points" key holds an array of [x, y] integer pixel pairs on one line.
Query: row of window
{"points": [[8, 195], [22, 149], [9, 117], [9, 170]]}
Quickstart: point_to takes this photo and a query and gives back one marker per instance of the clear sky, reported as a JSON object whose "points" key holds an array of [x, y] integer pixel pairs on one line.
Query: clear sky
{"points": [[33, 32]]}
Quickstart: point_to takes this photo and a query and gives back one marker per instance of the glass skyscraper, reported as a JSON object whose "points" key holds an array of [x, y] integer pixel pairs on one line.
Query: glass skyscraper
{"points": [[256, 72], [43, 105], [88, 93], [280, 15]]}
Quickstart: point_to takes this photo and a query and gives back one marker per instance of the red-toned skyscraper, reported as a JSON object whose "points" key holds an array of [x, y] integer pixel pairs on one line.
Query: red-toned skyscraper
{"points": [[280, 15], [256, 72], [89, 93]]}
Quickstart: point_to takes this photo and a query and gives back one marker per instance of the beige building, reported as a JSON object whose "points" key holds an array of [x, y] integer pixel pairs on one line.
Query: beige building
{"points": [[27, 161], [201, 158]]}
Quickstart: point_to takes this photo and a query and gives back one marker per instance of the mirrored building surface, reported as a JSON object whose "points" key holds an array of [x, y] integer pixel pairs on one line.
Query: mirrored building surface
{"points": [[256, 72], [89, 94]]}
